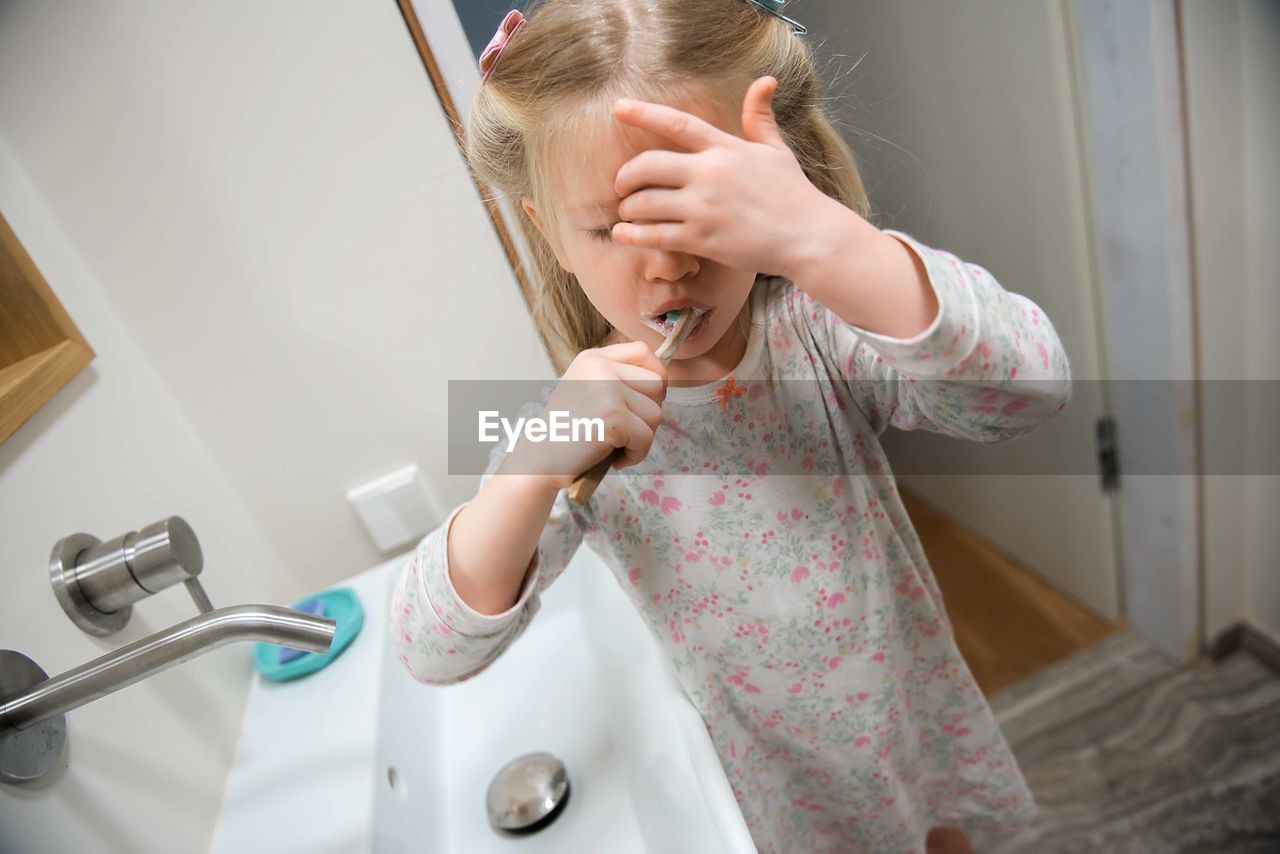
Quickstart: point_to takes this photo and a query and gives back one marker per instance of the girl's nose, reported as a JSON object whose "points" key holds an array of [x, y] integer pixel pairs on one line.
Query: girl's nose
{"points": [[661, 265]]}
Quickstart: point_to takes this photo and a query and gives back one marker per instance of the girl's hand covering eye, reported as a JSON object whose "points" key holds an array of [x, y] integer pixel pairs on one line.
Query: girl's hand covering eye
{"points": [[745, 203]]}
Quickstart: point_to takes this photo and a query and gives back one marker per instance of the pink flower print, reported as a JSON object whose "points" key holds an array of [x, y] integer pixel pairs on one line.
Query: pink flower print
{"points": [[635, 574], [833, 662], [800, 573], [795, 688], [716, 499], [752, 689], [835, 600], [1013, 405], [670, 505], [762, 469], [861, 741], [649, 496], [1044, 354], [878, 657], [807, 463], [988, 402], [1013, 372]]}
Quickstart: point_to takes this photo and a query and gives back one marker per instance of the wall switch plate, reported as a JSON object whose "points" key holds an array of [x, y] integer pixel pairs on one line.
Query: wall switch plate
{"points": [[396, 509]]}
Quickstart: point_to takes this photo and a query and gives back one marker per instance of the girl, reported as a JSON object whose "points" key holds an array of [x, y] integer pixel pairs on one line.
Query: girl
{"points": [[675, 154]]}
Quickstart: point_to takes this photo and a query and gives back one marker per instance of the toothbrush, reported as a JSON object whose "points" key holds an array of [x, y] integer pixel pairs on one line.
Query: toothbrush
{"points": [[585, 486]]}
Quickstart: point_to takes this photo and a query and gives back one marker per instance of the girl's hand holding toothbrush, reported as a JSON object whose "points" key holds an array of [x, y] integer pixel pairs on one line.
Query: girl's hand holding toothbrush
{"points": [[623, 385]]}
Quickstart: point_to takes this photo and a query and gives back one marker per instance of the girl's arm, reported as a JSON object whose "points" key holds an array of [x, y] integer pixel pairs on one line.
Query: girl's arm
{"points": [[472, 585], [989, 366], [871, 280], [491, 544]]}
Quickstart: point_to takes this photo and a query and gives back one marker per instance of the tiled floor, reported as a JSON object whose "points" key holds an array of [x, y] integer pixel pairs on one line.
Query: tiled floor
{"points": [[1125, 751]]}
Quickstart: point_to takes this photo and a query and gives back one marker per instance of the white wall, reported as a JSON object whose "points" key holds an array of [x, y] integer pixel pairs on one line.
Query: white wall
{"points": [[1233, 61], [258, 217], [144, 768], [274, 204]]}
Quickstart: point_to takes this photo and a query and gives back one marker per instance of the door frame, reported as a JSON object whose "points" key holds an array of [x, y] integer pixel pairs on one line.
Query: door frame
{"points": [[1131, 112]]}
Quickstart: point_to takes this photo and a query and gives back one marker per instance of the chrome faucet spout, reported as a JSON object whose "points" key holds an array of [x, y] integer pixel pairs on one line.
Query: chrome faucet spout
{"points": [[160, 651]]}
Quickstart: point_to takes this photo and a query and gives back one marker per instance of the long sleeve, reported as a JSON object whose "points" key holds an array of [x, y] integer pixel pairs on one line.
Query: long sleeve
{"points": [[441, 639], [990, 367]]}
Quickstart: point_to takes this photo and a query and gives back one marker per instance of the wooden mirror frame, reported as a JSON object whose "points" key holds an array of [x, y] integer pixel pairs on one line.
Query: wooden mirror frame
{"points": [[40, 347], [436, 76]]}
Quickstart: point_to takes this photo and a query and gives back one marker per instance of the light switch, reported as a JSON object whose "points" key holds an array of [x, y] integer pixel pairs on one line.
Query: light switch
{"points": [[396, 509]]}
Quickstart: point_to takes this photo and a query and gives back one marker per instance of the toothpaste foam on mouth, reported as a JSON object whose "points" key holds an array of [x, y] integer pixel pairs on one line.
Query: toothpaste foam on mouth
{"points": [[664, 323]]}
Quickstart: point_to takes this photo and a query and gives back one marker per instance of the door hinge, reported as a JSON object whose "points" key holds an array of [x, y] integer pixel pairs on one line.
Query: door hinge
{"points": [[1108, 454]]}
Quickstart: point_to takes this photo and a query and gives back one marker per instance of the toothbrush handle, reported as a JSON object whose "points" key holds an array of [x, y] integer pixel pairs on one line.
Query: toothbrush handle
{"points": [[585, 486]]}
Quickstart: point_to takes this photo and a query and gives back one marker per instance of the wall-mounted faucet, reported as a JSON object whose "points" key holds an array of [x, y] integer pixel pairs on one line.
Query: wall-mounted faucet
{"points": [[97, 583], [89, 576]]}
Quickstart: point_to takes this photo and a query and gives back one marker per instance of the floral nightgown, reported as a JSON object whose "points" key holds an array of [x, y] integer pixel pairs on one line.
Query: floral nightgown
{"points": [[766, 545]]}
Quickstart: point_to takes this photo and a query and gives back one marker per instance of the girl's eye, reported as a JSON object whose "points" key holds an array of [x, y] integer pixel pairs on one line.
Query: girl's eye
{"points": [[602, 234]]}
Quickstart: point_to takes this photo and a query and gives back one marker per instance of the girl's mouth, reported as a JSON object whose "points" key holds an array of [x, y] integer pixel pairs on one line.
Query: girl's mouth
{"points": [[664, 323]]}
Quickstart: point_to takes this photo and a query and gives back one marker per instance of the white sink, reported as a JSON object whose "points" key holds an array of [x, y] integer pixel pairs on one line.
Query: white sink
{"points": [[360, 757]]}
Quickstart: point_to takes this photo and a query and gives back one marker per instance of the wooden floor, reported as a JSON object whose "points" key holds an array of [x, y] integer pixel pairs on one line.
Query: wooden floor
{"points": [[1008, 622]]}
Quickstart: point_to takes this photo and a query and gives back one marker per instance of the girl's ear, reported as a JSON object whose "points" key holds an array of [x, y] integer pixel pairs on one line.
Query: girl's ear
{"points": [[532, 212], [529, 209]]}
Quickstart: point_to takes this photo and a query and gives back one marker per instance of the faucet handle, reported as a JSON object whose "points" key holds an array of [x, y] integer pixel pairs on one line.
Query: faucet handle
{"points": [[198, 595], [162, 554], [97, 583]]}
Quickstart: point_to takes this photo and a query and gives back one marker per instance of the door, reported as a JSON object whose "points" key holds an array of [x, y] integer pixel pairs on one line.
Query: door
{"points": [[966, 128]]}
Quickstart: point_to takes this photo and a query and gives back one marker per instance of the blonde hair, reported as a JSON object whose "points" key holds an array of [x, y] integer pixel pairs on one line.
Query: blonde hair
{"points": [[573, 58]]}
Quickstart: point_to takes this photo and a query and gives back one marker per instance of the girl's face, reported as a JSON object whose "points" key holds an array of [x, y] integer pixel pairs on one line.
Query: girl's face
{"points": [[630, 285]]}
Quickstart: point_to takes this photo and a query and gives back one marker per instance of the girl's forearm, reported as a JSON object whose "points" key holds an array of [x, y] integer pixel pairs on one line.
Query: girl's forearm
{"points": [[870, 279], [493, 539]]}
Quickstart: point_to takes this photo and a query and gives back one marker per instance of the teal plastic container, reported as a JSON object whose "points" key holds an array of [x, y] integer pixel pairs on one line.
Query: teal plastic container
{"points": [[281, 664]]}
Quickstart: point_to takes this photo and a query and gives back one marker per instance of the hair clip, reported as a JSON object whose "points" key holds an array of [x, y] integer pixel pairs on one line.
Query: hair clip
{"points": [[507, 30], [774, 7]]}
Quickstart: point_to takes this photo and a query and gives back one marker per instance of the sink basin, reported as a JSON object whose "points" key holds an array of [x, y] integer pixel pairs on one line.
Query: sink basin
{"points": [[361, 757]]}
